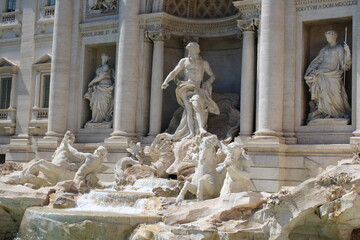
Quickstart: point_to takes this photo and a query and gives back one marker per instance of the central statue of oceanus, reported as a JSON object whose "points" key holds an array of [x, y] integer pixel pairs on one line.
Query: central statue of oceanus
{"points": [[192, 93]]}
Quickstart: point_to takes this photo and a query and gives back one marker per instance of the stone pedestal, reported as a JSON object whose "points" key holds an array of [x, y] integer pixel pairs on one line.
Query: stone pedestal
{"points": [[328, 121]]}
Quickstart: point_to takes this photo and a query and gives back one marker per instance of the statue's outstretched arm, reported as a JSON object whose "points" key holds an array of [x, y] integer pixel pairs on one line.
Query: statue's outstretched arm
{"points": [[78, 154], [179, 67]]}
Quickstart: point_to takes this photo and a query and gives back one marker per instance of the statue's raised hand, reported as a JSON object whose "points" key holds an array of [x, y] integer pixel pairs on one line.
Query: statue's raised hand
{"points": [[346, 48], [164, 85]]}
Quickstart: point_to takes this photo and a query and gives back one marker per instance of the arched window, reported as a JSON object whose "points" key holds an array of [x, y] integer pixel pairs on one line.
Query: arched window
{"points": [[10, 5], [51, 2]]}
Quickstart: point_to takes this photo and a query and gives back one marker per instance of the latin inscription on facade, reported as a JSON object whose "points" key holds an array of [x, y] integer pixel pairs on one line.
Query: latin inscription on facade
{"points": [[99, 33], [322, 4]]}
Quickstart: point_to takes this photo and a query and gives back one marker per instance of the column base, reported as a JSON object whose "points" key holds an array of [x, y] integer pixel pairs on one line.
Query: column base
{"points": [[243, 138], [268, 136], [53, 134], [121, 139], [355, 140], [121, 134]]}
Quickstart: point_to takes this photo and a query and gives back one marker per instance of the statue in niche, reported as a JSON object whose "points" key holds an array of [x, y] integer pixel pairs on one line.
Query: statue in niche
{"points": [[101, 93], [324, 76], [193, 94], [103, 5]]}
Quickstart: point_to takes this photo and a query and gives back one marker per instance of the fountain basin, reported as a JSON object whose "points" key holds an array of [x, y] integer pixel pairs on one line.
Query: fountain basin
{"points": [[47, 223]]}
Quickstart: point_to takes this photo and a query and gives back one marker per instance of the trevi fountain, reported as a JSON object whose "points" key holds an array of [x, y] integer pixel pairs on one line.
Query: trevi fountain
{"points": [[225, 166]]}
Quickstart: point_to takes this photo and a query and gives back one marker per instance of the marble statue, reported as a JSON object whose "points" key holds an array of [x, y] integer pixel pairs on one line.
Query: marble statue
{"points": [[206, 182], [324, 76], [153, 161], [193, 94], [41, 173], [237, 166], [101, 93], [93, 164], [67, 167]]}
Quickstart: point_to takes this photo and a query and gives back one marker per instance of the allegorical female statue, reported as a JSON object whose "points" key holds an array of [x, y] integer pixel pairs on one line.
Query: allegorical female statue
{"points": [[324, 76], [101, 93]]}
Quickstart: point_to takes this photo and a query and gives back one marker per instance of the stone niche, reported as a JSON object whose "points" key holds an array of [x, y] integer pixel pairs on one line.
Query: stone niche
{"points": [[224, 57], [313, 41], [92, 60]]}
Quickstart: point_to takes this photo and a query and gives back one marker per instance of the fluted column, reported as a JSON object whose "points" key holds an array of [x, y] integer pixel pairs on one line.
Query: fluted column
{"points": [[60, 69], [247, 95], [271, 69], [157, 77], [127, 70]]}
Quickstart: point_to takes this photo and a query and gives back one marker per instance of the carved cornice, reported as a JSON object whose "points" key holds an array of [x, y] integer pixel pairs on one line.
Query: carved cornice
{"points": [[251, 24], [305, 5], [189, 27], [158, 35], [248, 8]]}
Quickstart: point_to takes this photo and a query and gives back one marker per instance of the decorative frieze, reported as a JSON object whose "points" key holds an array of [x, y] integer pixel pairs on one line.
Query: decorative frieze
{"points": [[97, 8], [189, 27], [306, 5]]}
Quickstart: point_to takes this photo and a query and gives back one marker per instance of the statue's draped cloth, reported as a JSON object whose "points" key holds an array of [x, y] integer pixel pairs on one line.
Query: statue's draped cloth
{"points": [[326, 87], [207, 104], [101, 101]]}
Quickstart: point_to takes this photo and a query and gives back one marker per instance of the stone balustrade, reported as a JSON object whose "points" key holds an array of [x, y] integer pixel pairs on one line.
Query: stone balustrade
{"points": [[10, 21], [40, 113]]}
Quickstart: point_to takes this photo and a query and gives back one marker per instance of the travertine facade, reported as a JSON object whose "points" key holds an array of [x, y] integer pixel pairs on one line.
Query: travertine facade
{"points": [[259, 50]]}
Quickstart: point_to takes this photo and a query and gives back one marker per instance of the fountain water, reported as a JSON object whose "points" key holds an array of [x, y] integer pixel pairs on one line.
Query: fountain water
{"points": [[100, 214]]}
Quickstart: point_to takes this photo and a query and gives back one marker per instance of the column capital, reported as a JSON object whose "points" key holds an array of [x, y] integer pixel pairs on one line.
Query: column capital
{"points": [[158, 35], [250, 24]]}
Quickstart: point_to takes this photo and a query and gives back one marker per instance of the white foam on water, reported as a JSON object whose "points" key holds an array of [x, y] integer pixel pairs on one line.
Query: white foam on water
{"points": [[105, 202]]}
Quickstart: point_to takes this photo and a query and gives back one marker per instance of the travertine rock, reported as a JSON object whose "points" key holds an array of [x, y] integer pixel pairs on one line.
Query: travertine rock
{"points": [[14, 200]]}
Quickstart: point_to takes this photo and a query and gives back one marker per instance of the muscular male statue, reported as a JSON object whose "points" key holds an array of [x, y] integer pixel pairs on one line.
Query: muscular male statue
{"points": [[193, 94]]}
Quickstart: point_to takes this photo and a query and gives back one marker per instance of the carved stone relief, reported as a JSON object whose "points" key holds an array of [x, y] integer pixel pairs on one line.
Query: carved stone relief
{"points": [[200, 8], [100, 7]]}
